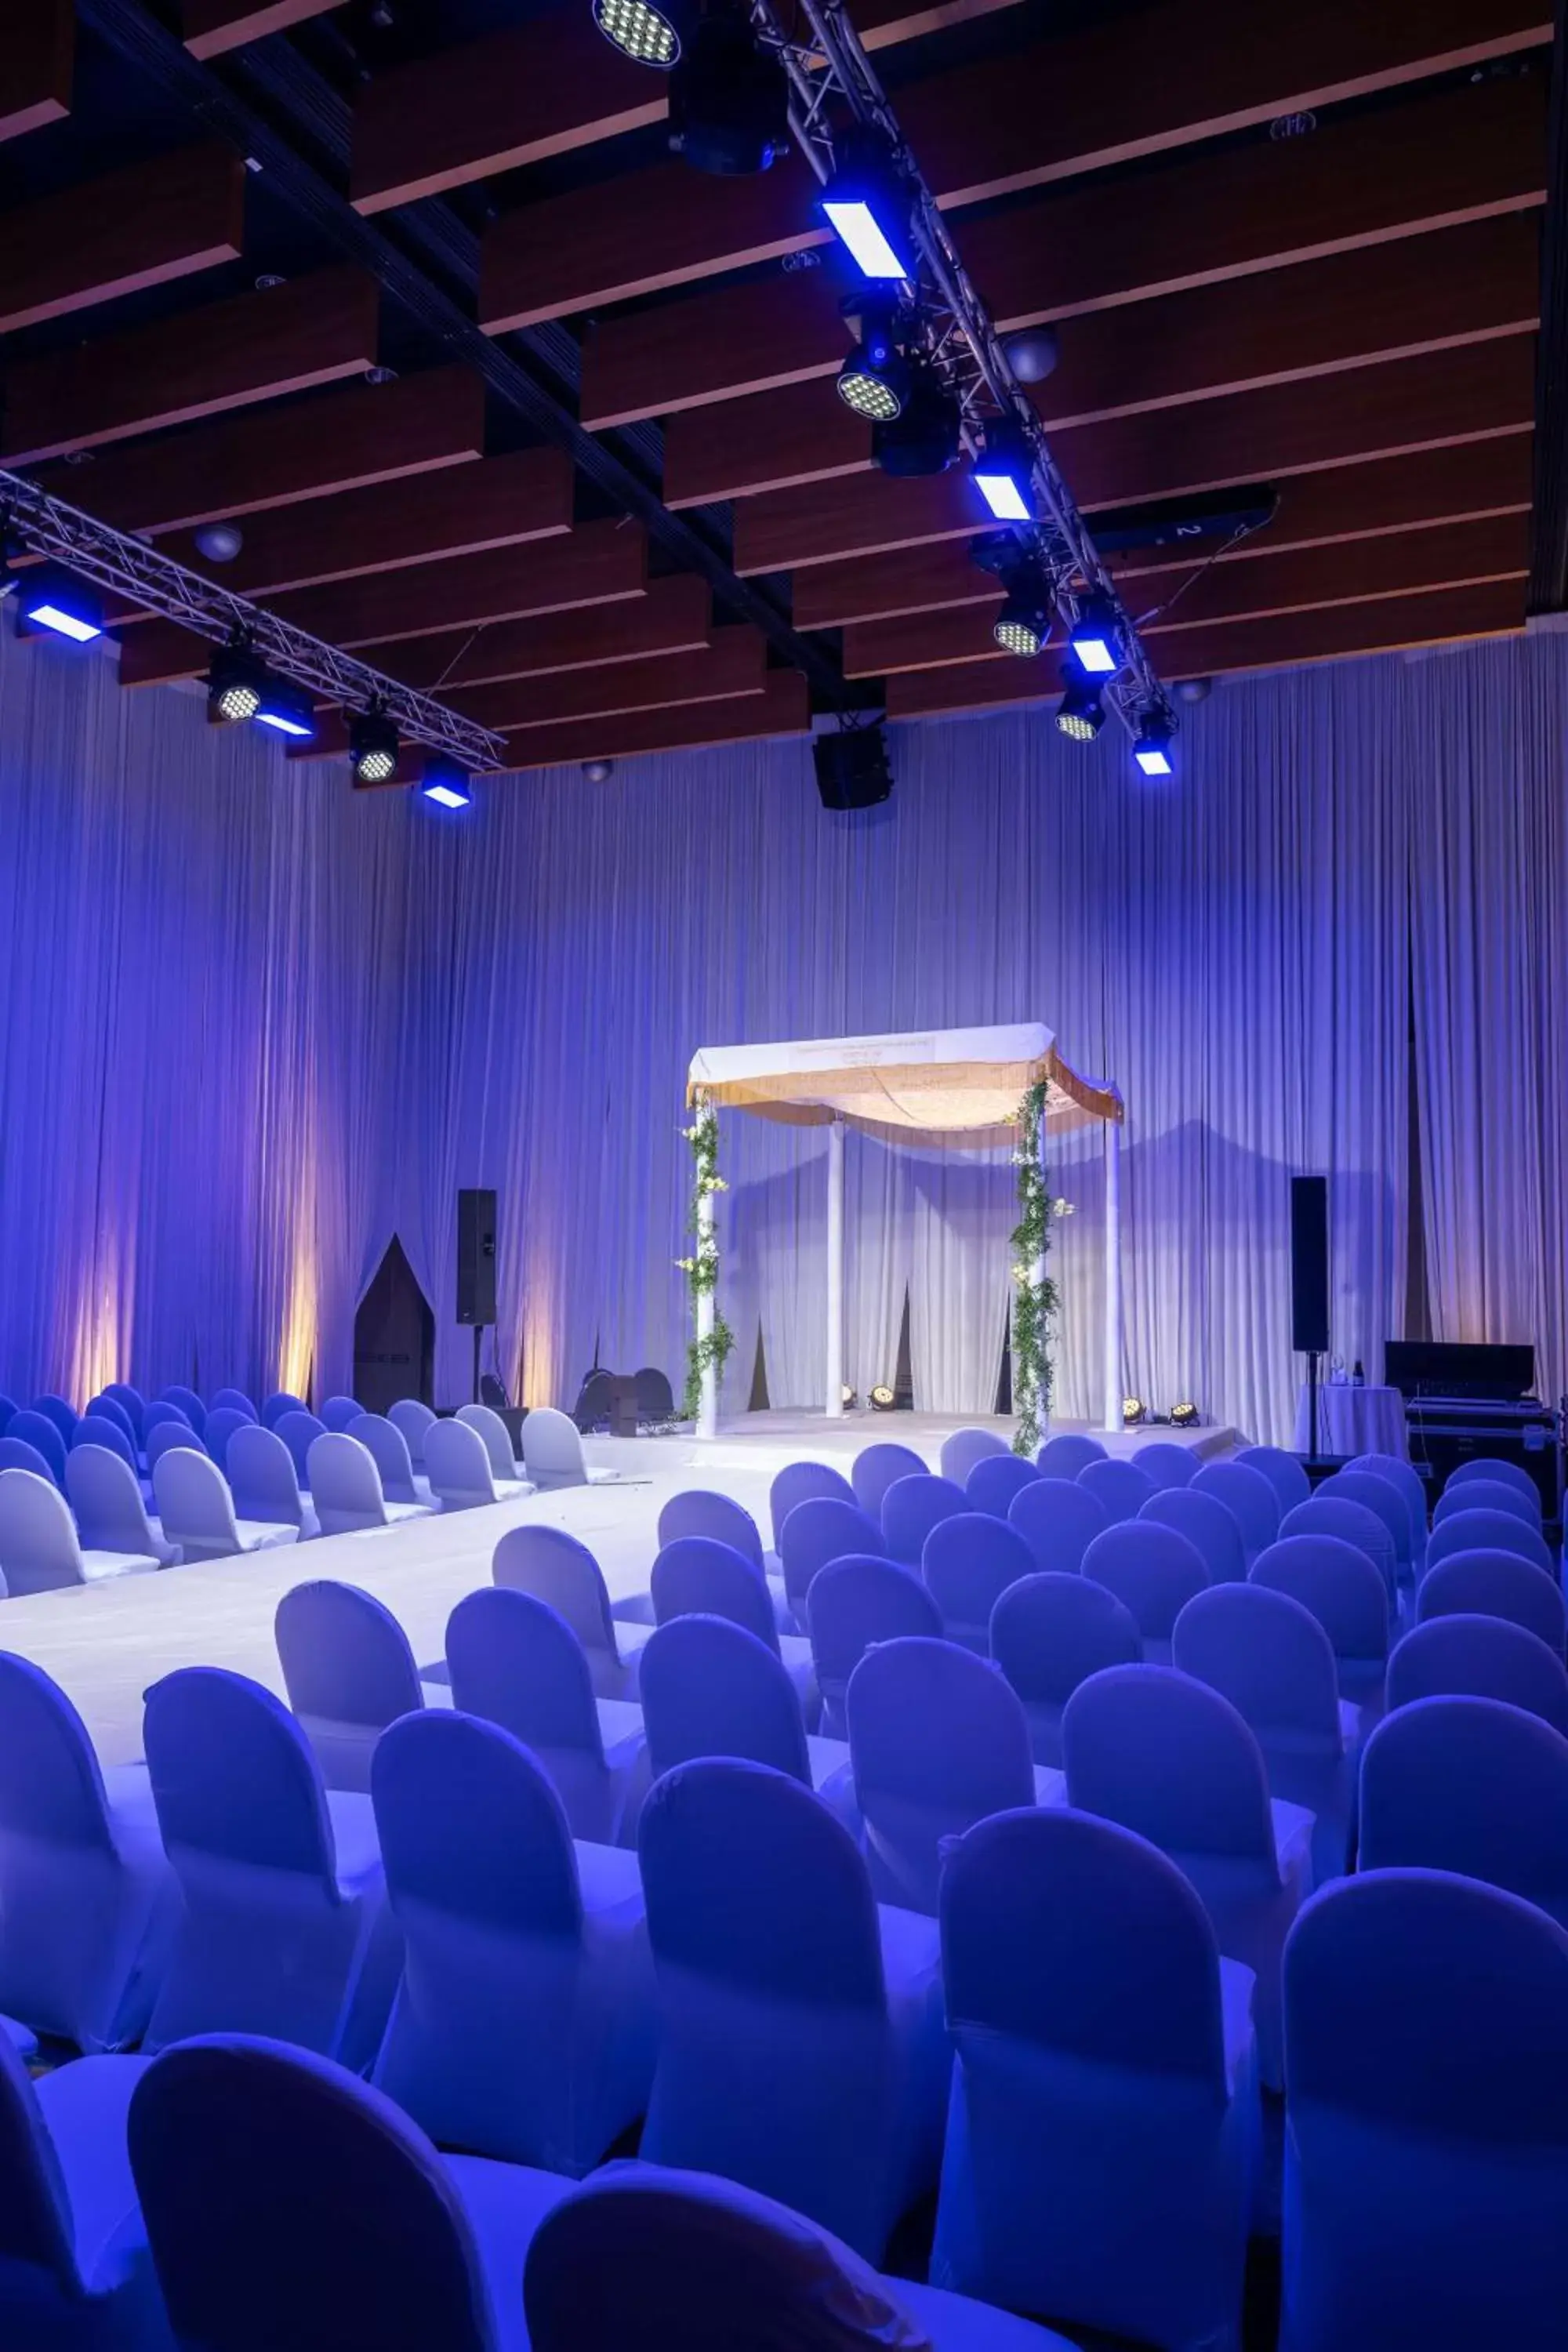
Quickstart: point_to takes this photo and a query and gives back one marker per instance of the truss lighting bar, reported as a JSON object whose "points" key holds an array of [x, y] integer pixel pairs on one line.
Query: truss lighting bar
{"points": [[131, 568]]}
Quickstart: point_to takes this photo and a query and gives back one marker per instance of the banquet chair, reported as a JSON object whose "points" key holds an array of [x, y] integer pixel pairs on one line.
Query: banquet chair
{"points": [[197, 1511], [656, 1398], [643, 2257], [1489, 1495], [108, 1436], [15, 1454], [1272, 1660], [232, 1401], [1065, 1456], [1492, 1468], [461, 1474], [189, 1403], [75, 2272], [911, 1508], [1387, 1500], [695, 1575], [553, 1451], [388, 1448], [1411, 1486], [107, 1407], [414, 1419], [290, 2204], [1495, 1584], [798, 1482], [1101, 2139], [1118, 1486], [56, 1410], [1346, 1593], [349, 1672], [282, 1926], [816, 1531], [514, 1661], [1209, 1523], [1474, 1656], [36, 1429], [265, 1483], [1166, 1464], [222, 1423], [559, 1571], [496, 1436], [993, 1483], [1332, 1515], [1473, 1785], [859, 1599], [340, 1412], [161, 1414], [133, 1403], [299, 1431], [1059, 1520], [711, 1688], [1479, 1531], [1050, 1632], [165, 1434], [962, 1448], [874, 1469], [280, 1402], [801, 2051], [88, 1900], [967, 1564], [1284, 1471], [698, 1511], [938, 1739], [1426, 2204], [40, 1550], [105, 1495], [346, 1491], [523, 2028], [1154, 1571], [1250, 1494], [1168, 1757], [8, 1412]]}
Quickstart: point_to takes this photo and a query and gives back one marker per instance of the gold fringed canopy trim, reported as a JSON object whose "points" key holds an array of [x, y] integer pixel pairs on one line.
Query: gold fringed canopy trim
{"points": [[934, 1086]]}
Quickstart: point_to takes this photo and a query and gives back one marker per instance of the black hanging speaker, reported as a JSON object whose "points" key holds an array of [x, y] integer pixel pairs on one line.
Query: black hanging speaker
{"points": [[852, 771], [1309, 1265], [476, 1257]]}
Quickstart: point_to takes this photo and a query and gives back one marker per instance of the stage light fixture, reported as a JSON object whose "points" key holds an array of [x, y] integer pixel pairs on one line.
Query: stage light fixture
{"points": [[729, 97], [1152, 748], [1133, 1411], [924, 438], [220, 542], [847, 1398], [1080, 714], [882, 1399], [1024, 624], [640, 32], [1185, 1415], [446, 783], [1096, 638], [235, 684], [870, 206], [1005, 474], [50, 599], [286, 708], [373, 747]]}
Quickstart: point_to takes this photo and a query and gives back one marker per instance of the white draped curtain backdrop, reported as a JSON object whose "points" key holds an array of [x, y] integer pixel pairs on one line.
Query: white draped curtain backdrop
{"points": [[254, 1024]]}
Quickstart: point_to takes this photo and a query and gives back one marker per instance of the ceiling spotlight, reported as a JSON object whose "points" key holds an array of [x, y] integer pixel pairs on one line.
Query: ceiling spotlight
{"points": [[1005, 472], [870, 206], [1133, 1411], [1032, 353], [1195, 689], [642, 32], [220, 542], [236, 682], [446, 783], [1185, 1415], [876, 379], [1024, 624], [1096, 638], [598, 771], [373, 747], [50, 599], [729, 97], [1080, 714], [1152, 748], [286, 708], [924, 438]]}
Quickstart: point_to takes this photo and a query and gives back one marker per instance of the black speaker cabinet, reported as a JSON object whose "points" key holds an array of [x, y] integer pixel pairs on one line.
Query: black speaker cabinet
{"points": [[852, 771], [1309, 1265], [476, 1257]]}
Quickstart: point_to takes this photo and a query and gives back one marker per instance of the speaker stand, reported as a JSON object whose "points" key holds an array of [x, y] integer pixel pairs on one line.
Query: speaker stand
{"points": [[1314, 1362], [479, 1341]]}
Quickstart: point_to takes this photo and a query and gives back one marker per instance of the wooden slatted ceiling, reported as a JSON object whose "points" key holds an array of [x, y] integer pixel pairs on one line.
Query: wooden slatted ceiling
{"points": [[783, 708], [212, 27], [37, 56], [314, 332], [1224, 648], [1184, 73], [735, 665], [673, 617], [1464, 155], [1436, 293], [311, 449], [142, 226], [1408, 404], [1338, 508]]}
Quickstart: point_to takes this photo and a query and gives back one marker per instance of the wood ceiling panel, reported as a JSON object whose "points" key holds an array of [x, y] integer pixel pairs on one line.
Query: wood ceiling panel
{"points": [[735, 665], [1462, 286], [1455, 614], [783, 708], [1340, 505], [1442, 401], [211, 28], [673, 617], [143, 227], [315, 331], [1192, 70], [1401, 564], [37, 57], [311, 449]]}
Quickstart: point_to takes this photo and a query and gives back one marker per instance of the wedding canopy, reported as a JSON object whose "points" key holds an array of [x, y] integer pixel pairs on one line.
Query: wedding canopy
{"points": [[933, 1086]]}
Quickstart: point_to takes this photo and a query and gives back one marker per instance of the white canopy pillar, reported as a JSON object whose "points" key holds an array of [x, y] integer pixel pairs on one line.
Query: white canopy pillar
{"points": [[708, 1410], [835, 1270], [1114, 1391]]}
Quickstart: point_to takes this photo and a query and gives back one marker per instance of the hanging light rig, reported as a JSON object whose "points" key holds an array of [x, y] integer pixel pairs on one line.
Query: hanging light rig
{"points": [[926, 343]]}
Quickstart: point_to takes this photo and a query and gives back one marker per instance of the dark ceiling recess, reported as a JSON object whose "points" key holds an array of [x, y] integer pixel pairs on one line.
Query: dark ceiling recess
{"points": [[1549, 554]]}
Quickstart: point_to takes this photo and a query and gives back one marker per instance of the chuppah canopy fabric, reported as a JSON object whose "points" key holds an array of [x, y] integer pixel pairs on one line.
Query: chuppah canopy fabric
{"points": [[931, 1086]]}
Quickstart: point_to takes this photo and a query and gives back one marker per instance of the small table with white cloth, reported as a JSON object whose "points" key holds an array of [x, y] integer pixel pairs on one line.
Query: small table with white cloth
{"points": [[1352, 1420]]}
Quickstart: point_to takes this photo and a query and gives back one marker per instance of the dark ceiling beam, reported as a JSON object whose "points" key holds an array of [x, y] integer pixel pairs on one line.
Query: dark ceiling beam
{"points": [[1339, 508], [313, 448], [1187, 71], [1466, 156], [143, 227], [254, 347], [37, 57], [1549, 569], [673, 617], [1454, 615], [211, 28], [1443, 401], [1436, 293], [735, 665], [783, 708]]}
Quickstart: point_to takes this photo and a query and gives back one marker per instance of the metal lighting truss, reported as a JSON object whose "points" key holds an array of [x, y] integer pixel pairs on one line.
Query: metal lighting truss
{"points": [[829, 71], [130, 567]]}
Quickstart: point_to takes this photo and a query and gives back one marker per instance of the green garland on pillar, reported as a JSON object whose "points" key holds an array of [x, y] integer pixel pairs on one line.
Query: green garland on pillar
{"points": [[1035, 1302], [701, 1269]]}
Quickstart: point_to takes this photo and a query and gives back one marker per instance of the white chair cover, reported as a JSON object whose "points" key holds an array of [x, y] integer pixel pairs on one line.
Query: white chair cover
{"points": [[558, 1570], [189, 1403], [1380, 1495], [1493, 1468], [162, 1435], [874, 1469], [1347, 1595], [1154, 1571], [264, 1481], [993, 1483], [496, 1437], [299, 1431], [461, 1474], [911, 1506], [1494, 1584], [36, 1429], [1058, 1520], [1411, 1484], [1166, 1464], [280, 1402], [1208, 1523], [1473, 1656], [711, 1688], [1485, 1494], [697, 1512], [1049, 1633], [346, 1491], [349, 1672], [38, 1548], [110, 1515], [222, 1423], [1488, 1531], [1245, 1489], [342, 1411], [1065, 1456], [412, 1418], [1470, 1785], [798, 1482], [553, 1449], [198, 1512], [107, 1431], [695, 1573], [1284, 1471], [232, 1401], [968, 1562], [964, 1447], [1120, 1487], [1332, 1515], [816, 1531], [856, 1602], [388, 1448]]}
